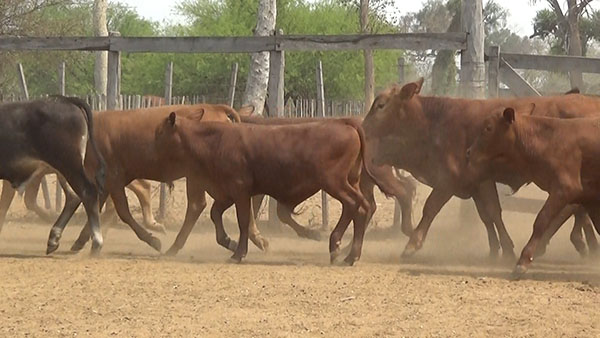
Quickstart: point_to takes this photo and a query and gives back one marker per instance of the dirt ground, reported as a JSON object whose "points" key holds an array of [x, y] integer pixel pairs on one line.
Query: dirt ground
{"points": [[450, 288]]}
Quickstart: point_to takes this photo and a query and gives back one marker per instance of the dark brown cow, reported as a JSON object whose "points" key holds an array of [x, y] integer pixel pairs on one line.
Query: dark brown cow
{"points": [[127, 142], [55, 131], [288, 162], [402, 188], [428, 137], [562, 157]]}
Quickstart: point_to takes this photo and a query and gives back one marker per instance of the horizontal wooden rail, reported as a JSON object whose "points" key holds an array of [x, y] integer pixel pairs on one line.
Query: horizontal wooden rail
{"points": [[239, 44], [554, 63]]}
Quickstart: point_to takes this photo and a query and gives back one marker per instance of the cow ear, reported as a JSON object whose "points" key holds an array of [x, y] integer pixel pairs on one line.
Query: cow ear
{"points": [[197, 115], [419, 83], [509, 115], [171, 118], [409, 90], [246, 110], [531, 108]]}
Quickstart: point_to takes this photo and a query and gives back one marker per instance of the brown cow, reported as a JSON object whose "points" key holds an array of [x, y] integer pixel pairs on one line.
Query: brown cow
{"points": [[428, 137], [271, 160], [562, 157], [403, 188], [55, 131], [127, 142]]}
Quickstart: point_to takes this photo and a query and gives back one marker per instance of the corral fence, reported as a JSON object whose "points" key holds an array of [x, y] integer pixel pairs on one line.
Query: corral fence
{"points": [[276, 45]]}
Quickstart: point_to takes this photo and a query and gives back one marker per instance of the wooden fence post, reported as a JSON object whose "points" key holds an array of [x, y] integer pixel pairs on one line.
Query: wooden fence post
{"points": [[232, 83], [401, 70], [162, 208], [321, 113], [113, 87], [25, 91], [275, 104], [493, 71], [61, 89]]}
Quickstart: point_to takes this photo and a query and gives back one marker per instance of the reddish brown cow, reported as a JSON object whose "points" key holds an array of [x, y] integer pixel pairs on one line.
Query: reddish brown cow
{"points": [[402, 188], [287, 162], [127, 142], [56, 132], [428, 136], [561, 157]]}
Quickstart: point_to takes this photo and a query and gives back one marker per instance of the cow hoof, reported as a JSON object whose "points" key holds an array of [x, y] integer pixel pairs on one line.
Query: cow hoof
{"points": [[157, 227], [95, 251], [409, 252], [350, 260], [235, 259], [172, 251], [518, 272], [260, 243], [232, 246], [155, 243], [77, 246], [52, 246], [333, 256]]}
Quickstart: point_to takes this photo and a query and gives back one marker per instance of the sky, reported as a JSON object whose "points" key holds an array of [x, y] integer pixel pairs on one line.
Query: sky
{"points": [[521, 13]]}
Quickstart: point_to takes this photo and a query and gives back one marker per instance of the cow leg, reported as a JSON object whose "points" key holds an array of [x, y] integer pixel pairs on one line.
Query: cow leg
{"points": [[78, 189], [351, 201], [581, 220], [284, 213], [553, 227], [361, 218], [253, 232], [434, 203], [590, 236], [143, 190], [243, 209], [216, 215], [489, 227], [553, 205], [405, 199], [489, 194], [122, 207], [8, 193], [30, 199], [196, 197]]}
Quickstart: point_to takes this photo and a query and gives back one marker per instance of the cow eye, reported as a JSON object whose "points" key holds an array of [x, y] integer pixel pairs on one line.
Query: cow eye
{"points": [[488, 129]]}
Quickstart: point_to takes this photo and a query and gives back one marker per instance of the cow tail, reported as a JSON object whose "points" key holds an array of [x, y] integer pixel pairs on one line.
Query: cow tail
{"points": [[367, 159], [100, 175]]}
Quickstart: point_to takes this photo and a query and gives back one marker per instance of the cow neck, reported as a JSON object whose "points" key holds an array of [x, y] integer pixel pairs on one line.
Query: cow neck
{"points": [[532, 137]]}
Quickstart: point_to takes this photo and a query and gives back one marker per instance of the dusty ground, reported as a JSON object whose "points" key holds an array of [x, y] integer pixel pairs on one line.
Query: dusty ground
{"points": [[450, 288]]}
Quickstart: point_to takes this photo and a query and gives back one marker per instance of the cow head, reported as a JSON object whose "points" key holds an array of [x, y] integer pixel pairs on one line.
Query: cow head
{"points": [[392, 115], [494, 147]]}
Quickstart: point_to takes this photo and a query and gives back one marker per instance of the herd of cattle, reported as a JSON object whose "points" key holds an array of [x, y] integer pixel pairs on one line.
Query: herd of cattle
{"points": [[459, 147]]}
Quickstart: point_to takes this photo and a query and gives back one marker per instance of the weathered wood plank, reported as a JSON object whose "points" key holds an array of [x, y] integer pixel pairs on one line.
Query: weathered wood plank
{"points": [[514, 81], [54, 43], [240, 44], [554, 63], [493, 71]]}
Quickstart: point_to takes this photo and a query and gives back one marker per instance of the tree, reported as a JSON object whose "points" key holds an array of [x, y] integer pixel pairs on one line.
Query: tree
{"points": [[100, 29], [564, 26], [258, 75]]}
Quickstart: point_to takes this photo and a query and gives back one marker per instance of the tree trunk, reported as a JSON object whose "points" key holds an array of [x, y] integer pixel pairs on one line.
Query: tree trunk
{"points": [[574, 42], [258, 74], [100, 29], [368, 55]]}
